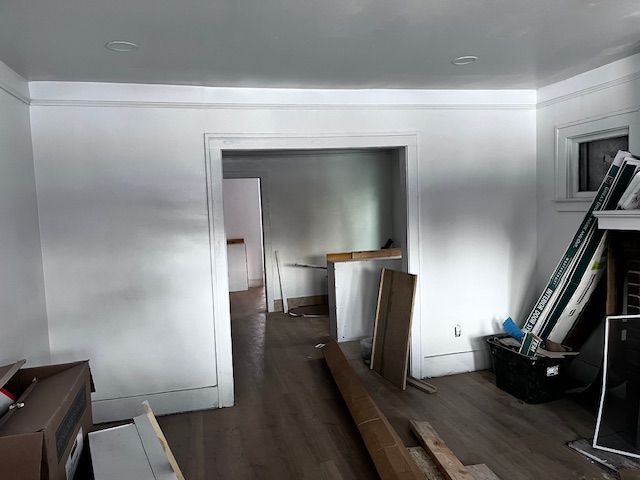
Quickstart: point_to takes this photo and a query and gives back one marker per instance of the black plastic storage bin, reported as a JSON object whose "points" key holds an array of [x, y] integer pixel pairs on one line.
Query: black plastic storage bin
{"points": [[533, 380]]}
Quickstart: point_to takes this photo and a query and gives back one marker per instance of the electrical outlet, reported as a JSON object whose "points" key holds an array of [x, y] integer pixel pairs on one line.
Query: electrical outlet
{"points": [[457, 331]]}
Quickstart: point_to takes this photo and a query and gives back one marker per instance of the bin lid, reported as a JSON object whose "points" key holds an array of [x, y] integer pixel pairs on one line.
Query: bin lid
{"points": [[8, 371]]}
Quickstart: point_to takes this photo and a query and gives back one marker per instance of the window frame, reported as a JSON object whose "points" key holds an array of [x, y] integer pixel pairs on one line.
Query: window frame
{"points": [[568, 197]]}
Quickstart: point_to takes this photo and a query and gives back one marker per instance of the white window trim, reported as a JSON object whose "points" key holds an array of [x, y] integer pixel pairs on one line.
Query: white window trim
{"points": [[568, 136]]}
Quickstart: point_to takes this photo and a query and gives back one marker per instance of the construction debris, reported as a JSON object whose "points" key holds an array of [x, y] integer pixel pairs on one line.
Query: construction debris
{"points": [[310, 311], [392, 327], [421, 385], [389, 455], [582, 264]]}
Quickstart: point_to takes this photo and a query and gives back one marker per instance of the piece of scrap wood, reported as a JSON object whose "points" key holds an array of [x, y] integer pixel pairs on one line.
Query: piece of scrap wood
{"points": [[390, 457], [421, 385], [424, 462], [482, 472], [392, 326], [163, 440], [448, 464]]}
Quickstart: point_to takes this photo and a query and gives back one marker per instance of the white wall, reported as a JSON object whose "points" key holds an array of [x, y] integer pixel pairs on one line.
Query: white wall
{"points": [[121, 188], [317, 203], [124, 228], [23, 318], [595, 94], [243, 219]]}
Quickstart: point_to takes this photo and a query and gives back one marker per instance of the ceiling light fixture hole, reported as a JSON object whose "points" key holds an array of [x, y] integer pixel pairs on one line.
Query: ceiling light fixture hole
{"points": [[464, 60], [121, 46]]}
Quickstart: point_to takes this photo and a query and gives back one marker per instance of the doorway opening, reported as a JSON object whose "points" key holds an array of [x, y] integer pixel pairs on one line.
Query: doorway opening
{"points": [[311, 207], [243, 220]]}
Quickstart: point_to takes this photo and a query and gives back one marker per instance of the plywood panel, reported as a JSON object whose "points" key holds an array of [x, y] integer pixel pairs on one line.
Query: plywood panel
{"points": [[393, 326]]}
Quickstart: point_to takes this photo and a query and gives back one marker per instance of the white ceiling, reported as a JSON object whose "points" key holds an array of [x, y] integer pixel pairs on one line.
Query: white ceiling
{"points": [[317, 44]]}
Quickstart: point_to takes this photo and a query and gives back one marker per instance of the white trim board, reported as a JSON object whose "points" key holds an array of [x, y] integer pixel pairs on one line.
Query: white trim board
{"points": [[215, 144], [453, 363], [164, 403]]}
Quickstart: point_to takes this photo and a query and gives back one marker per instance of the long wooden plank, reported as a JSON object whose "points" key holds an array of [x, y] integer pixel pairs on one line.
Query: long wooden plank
{"points": [[448, 464], [388, 252], [390, 457], [392, 327]]}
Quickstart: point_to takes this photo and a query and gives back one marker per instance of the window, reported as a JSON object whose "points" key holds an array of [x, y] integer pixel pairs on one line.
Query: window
{"points": [[594, 157], [584, 152]]}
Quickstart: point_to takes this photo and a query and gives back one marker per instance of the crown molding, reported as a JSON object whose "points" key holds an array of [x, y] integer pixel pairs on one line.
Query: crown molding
{"points": [[37, 102], [592, 89], [14, 84]]}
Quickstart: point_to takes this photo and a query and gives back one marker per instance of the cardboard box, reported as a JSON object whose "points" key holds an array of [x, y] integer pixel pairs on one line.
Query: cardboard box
{"points": [[43, 434]]}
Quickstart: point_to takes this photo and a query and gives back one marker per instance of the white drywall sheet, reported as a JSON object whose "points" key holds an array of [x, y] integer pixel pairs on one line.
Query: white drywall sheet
{"points": [[130, 451], [237, 261], [353, 295]]}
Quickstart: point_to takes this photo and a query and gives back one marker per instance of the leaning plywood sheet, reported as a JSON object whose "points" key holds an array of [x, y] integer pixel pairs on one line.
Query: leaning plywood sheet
{"points": [[448, 464], [390, 457], [392, 328]]}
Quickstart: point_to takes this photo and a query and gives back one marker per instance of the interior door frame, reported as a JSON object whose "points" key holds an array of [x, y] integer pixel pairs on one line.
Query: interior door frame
{"points": [[216, 144]]}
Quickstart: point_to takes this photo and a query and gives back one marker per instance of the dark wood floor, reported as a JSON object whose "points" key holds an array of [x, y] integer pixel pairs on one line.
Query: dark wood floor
{"points": [[290, 421]]}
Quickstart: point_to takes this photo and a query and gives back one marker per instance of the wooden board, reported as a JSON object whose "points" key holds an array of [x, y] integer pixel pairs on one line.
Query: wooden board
{"points": [[345, 256], [431, 471], [448, 464], [162, 439], [392, 326], [387, 252], [390, 457], [421, 385], [424, 462]]}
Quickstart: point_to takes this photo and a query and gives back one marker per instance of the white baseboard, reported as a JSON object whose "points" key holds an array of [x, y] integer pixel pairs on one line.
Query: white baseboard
{"points": [[255, 282], [451, 364], [125, 408]]}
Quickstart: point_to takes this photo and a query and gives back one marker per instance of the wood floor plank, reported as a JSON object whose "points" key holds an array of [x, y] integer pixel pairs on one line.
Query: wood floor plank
{"points": [[482, 472]]}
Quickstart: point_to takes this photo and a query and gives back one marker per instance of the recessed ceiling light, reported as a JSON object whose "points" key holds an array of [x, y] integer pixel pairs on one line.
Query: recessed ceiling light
{"points": [[464, 60], [121, 46]]}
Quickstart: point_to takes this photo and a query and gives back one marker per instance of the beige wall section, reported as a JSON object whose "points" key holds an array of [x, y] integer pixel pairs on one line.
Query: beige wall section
{"points": [[23, 318], [600, 93]]}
